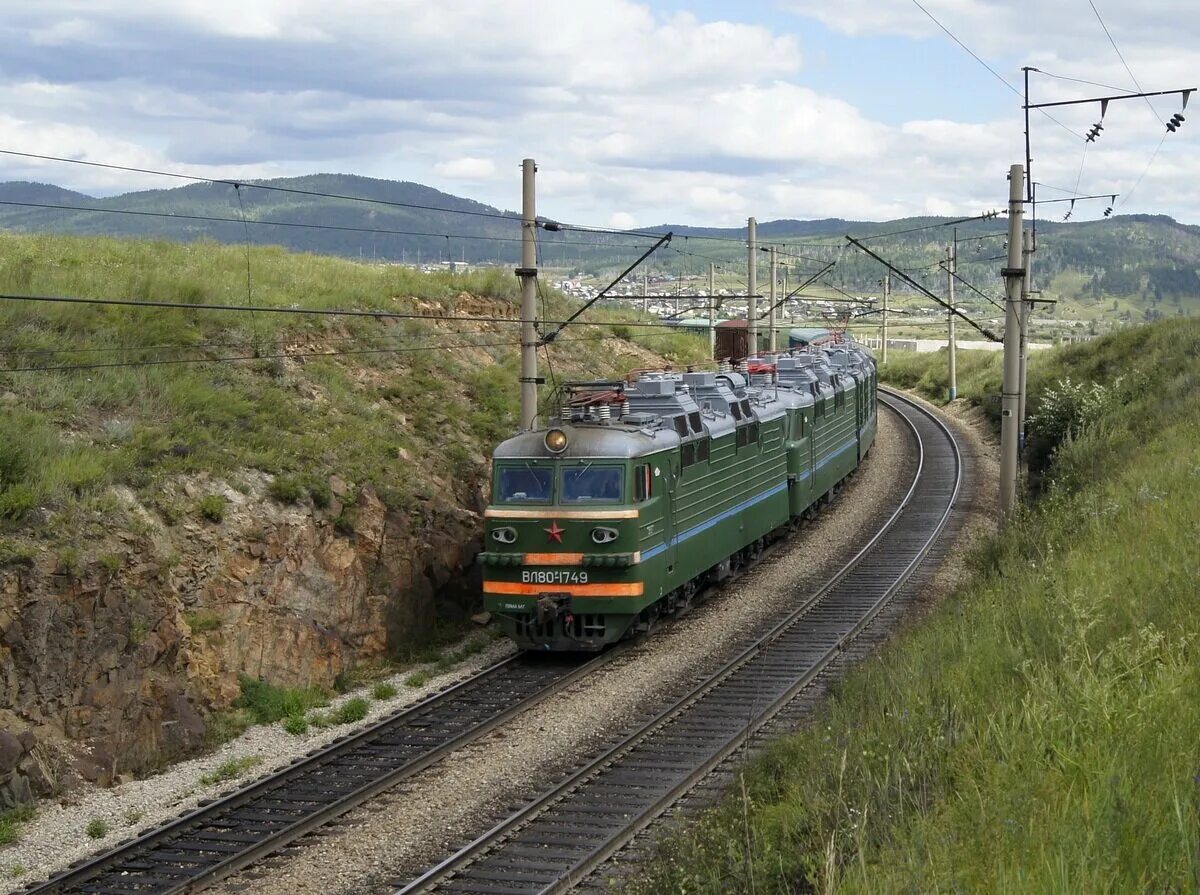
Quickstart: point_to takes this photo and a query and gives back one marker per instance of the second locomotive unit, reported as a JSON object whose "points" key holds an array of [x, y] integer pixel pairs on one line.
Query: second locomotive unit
{"points": [[643, 491]]}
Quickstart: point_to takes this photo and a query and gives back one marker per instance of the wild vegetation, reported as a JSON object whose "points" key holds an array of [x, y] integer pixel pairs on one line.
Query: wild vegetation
{"points": [[1037, 733], [296, 397]]}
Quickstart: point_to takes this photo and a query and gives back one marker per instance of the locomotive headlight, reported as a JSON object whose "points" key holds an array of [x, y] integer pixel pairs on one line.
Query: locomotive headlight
{"points": [[604, 535], [505, 535], [556, 441]]}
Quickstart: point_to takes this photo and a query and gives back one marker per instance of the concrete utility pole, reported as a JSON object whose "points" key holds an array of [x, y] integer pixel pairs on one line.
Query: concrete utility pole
{"points": [[1026, 312], [645, 292], [527, 273], [887, 292], [951, 269], [771, 315], [1010, 398], [712, 310], [752, 283]]}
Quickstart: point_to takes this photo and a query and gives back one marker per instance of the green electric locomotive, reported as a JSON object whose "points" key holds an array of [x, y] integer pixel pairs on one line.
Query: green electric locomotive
{"points": [[643, 491]]}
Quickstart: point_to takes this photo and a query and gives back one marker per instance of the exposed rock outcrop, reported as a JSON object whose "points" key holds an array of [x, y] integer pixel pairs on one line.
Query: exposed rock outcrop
{"points": [[111, 669]]}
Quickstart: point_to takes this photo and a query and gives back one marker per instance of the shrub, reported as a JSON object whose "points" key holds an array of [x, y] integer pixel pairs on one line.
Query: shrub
{"points": [[384, 690], [201, 622], [11, 822], [16, 501], [351, 710], [296, 725], [15, 554], [286, 489], [417, 679], [230, 770], [267, 703], [97, 828], [212, 507]]}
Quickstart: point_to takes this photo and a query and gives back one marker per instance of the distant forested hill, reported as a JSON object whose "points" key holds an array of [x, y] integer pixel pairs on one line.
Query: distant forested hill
{"points": [[1142, 260]]}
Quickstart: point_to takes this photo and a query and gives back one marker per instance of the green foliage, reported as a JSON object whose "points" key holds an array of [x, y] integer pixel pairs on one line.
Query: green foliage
{"points": [[223, 726], [14, 553], [1033, 734], [267, 703], [417, 679], [212, 507], [350, 711], [286, 489], [16, 501], [97, 828], [230, 770], [202, 621], [11, 822], [384, 690], [296, 725]]}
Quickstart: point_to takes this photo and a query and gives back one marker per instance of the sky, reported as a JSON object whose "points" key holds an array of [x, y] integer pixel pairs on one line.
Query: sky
{"points": [[692, 112]]}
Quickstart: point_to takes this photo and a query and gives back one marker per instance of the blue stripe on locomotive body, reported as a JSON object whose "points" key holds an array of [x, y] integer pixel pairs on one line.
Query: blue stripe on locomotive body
{"points": [[715, 463]]}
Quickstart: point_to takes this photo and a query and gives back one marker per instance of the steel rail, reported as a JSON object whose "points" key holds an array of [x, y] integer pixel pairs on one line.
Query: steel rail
{"points": [[556, 865], [164, 861]]}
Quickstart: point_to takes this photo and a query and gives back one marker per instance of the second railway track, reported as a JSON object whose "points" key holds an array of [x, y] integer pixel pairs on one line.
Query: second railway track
{"points": [[232, 832], [568, 831]]}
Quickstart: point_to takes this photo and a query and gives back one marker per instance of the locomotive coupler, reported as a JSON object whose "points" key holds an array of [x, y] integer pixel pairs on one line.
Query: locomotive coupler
{"points": [[551, 606]]}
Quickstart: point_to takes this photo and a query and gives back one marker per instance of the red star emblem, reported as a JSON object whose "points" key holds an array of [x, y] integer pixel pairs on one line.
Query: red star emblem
{"points": [[554, 532]]}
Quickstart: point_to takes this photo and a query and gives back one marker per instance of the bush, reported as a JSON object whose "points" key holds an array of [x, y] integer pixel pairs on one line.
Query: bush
{"points": [[417, 679], [286, 489], [267, 703], [11, 822], [201, 622], [97, 829], [13, 464], [230, 770], [212, 507], [296, 725], [16, 501], [384, 690], [350, 711]]}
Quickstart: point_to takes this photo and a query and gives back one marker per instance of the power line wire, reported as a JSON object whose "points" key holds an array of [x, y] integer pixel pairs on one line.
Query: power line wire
{"points": [[1108, 34], [995, 73]]}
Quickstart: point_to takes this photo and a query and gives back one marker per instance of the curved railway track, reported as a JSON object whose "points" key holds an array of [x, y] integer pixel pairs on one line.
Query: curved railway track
{"points": [[560, 837], [225, 835]]}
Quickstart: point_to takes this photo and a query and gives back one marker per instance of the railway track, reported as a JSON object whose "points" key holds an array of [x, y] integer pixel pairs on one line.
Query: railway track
{"points": [[225, 835], [561, 836]]}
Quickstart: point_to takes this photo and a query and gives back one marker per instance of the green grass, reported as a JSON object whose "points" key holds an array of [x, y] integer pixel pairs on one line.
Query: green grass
{"points": [[1038, 732], [266, 703], [296, 725], [351, 711], [212, 507], [384, 690], [386, 415], [417, 679], [201, 622], [97, 828], [231, 770], [11, 822]]}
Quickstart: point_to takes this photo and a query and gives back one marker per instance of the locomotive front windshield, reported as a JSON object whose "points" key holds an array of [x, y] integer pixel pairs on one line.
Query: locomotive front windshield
{"points": [[601, 484], [523, 484]]}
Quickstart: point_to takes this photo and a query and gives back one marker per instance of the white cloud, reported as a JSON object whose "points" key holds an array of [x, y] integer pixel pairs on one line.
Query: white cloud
{"points": [[668, 117], [467, 169]]}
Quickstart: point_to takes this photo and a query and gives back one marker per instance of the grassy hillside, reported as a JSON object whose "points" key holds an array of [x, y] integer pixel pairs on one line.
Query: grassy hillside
{"points": [[307, 397], [1038, 733]]}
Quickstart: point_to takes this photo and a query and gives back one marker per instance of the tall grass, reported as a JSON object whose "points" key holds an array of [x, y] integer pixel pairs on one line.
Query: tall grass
{"points": [[1038, 733]]}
